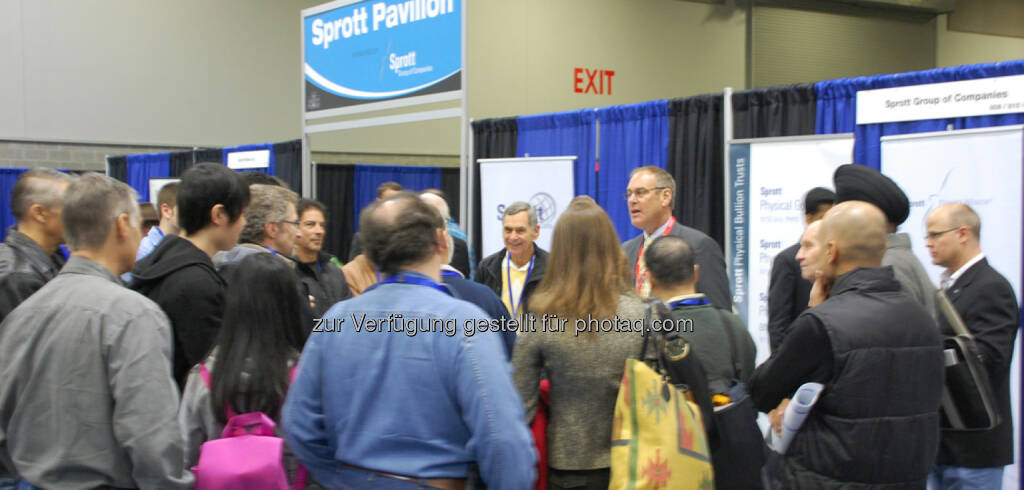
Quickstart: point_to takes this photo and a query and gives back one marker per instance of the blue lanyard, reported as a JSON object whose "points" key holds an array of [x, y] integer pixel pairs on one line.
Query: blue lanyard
{"points": [[404, 278], [508, 276], [688, 302], [158, 230], [445, 273], [271, 250]]}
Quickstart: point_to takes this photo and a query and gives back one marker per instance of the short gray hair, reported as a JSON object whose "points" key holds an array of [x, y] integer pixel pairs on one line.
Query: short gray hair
{"points": [[518, 207], [36, 186], [267, 204], [91, 205]]}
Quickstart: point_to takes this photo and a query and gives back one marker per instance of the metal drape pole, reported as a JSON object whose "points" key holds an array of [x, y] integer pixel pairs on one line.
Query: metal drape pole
{"points": [[727, 118]]}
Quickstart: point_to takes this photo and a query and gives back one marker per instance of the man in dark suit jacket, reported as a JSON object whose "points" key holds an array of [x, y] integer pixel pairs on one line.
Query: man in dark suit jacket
{"points": [[649, 196], [988, 306], [789, 290]]}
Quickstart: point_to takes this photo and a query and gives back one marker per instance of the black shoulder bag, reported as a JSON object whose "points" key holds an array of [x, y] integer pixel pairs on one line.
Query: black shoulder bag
{"points": [[737, 446]]}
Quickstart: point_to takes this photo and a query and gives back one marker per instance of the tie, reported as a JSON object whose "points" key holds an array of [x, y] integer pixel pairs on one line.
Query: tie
{"points": [[644, 284]]}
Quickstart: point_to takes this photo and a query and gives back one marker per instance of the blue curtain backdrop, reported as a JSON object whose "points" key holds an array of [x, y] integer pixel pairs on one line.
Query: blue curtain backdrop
{"points": [[8, 176], [562, 134], [270, 170], [147, 166], [837, 106], [368, 177], [632, 136]]}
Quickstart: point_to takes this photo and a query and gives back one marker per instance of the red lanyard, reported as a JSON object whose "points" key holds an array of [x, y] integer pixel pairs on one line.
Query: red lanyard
{"points": [[640, 255]]}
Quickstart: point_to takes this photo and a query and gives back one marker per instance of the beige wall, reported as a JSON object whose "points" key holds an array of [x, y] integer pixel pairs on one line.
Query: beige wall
{"points": [[226, 72], [800, 46], [522, 53], [184, 73], [964, 48]]}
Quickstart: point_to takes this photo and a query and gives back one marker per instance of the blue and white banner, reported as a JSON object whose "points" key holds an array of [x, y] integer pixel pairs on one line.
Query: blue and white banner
{"points": [[980, 167], [769, 178], [378, 50]]}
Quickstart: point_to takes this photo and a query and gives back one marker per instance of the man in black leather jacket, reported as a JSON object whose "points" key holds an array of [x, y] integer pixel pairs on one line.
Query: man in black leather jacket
{"points": [[28, 256]]}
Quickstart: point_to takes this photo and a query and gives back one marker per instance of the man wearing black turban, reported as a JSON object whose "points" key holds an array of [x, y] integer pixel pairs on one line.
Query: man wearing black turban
{"points": [[861, 183]]}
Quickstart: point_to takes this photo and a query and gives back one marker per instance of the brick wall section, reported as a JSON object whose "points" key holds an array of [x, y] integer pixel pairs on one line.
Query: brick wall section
{"points": [[66, 156], [77, 156]]}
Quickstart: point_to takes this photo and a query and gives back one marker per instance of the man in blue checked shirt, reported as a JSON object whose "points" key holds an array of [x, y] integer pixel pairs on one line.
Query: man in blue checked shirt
{"points": [[407, 403], [167, 207]]}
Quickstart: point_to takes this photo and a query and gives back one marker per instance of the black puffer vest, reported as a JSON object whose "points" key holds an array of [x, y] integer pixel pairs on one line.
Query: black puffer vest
{"points": [[876, 424]]}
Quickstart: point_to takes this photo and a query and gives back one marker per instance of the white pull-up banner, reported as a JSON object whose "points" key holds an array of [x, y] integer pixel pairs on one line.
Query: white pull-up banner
{"points": [[768, 180], [544, 182], [980, 167]]}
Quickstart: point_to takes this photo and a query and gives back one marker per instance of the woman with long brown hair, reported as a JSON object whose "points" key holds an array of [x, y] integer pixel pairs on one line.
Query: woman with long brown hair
{"points": [[585, 303]]}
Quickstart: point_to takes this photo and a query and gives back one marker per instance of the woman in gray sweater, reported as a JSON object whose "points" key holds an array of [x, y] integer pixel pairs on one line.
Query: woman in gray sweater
{"points": [[584, 318]]}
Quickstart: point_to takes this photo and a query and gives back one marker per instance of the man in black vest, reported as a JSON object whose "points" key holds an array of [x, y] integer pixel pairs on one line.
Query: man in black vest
{"points": [[988, 306], [878, 354]]}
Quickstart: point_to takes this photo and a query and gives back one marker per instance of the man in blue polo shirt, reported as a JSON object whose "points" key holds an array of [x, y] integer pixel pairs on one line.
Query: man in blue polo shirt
{"points": [[393, 389]]}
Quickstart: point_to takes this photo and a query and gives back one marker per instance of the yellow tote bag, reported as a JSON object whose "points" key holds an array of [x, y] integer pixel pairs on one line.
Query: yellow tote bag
{"points": [[658, 438]]}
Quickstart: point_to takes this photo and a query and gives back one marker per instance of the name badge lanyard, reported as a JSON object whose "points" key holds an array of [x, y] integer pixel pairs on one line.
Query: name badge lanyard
{"points": [[643, 243], [508, 276], [445, 273], [688, 302], [403, 278]]}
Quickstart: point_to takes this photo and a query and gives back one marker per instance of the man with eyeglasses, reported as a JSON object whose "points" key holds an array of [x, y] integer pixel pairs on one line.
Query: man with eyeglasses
{"points": [[988, 306], [861, 183], [650, 196], [319, 271]]}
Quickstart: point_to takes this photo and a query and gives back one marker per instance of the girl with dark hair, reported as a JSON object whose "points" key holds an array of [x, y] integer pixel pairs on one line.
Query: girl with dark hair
{"points": [[587, 280], [250, 364]]}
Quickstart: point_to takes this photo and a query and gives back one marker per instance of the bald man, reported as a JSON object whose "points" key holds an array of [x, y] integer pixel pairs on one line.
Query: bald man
{"points": [[878, 354], [985, 301]]}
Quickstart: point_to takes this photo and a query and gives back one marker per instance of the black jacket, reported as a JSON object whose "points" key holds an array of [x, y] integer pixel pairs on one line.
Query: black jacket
{"points": [[788, 293], [24, 268], [181, 278], [323, 281], [876, 424], [988, 306], [488, 273]]}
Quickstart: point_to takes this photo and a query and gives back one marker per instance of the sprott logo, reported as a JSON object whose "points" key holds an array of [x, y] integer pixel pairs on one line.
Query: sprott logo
{"points": [[546, 207]]}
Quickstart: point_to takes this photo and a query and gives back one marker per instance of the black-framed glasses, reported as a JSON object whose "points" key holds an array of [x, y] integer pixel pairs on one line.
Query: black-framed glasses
{"points": [[931, 235], [293, 223], [641, 192]]}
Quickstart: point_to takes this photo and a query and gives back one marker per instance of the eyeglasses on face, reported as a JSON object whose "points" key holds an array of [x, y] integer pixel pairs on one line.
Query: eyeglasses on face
{"points": [[293, 223], [932, 235], [641, 192]]}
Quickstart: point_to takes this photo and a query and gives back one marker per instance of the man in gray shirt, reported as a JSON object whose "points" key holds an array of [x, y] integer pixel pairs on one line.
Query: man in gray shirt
{"points": [[860, 183], [88, 399]]}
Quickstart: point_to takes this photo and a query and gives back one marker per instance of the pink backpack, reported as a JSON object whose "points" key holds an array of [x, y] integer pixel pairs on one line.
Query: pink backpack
{"points": [[248, 455]]}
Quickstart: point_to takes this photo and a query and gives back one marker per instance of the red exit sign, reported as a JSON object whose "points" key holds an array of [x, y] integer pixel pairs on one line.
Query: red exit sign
{"points": [[597, 81]]}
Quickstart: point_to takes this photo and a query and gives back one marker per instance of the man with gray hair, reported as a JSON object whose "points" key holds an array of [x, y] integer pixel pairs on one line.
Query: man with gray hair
{"points": [[94, 404], [271, 226], [515, 271], [650, 196], [28, 256]]}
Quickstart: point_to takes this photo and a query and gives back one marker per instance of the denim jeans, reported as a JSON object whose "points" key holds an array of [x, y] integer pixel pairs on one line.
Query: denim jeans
{"points": [[958, 478]]}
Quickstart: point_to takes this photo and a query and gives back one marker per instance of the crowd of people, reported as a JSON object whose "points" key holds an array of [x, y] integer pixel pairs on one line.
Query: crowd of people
{"points": [[123, 357]]}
